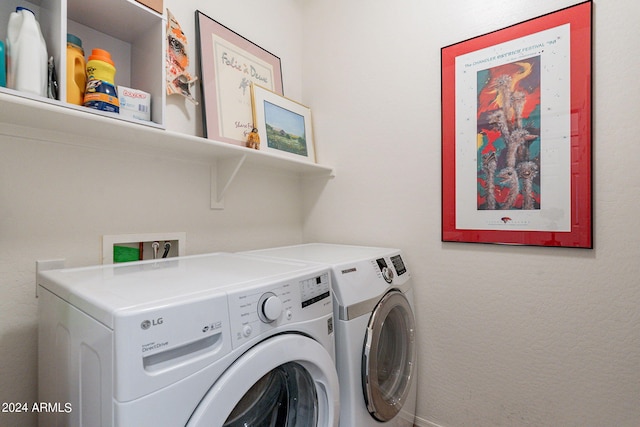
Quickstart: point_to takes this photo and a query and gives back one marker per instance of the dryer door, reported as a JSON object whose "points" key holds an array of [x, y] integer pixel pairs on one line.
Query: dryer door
{"points": [[286, 381], [388, 358]]}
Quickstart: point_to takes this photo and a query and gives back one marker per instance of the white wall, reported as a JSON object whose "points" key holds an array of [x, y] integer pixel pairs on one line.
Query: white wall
{"points": [[57, 201], [509, 336], [275, 26]]}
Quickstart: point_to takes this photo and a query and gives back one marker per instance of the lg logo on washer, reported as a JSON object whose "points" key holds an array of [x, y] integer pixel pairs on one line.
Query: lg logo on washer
{"points": [[146, 324]]}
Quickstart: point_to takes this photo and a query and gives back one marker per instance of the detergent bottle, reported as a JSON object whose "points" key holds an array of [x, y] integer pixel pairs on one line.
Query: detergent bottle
{"points": [[76, 71], [26, 53], [100, 92]]}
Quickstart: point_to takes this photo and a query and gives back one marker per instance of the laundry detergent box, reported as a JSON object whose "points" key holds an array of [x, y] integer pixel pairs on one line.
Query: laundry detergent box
{"points": [[152, 4], [134, 103]]}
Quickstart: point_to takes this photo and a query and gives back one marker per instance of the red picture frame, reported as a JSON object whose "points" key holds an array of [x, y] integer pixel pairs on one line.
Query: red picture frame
{"points": [[516, 133]]}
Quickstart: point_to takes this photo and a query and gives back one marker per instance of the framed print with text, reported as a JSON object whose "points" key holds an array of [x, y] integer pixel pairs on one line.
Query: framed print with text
{"points": [[516, 134], [229, 64]]}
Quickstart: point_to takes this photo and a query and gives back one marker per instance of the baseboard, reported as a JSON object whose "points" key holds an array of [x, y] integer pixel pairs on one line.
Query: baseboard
{"points": [[419, 422]]}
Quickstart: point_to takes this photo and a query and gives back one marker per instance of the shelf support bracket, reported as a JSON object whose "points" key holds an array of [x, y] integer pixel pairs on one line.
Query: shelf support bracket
{"points": [[223, 171]]}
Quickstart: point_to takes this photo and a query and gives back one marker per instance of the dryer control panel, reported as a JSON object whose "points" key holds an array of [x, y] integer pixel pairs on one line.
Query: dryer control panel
{"points": [[386, 270], [261, 310]]}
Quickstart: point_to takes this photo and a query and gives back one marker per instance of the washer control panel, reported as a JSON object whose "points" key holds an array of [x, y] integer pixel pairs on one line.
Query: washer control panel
{"points": [[260, 309], [314, 289], [269, 307]]}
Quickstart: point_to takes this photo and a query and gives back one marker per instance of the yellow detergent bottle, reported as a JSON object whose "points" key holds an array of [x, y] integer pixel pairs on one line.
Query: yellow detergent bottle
{"points": [[100, 92], [76, 70]]}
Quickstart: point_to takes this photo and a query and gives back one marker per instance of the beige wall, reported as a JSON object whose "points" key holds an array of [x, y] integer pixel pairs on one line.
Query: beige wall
{"points": [[509, 336]]}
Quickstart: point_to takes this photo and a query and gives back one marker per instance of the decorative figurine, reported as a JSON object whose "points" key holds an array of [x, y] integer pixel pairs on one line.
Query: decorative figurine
{"points": [[179, 80], [253, 140]]}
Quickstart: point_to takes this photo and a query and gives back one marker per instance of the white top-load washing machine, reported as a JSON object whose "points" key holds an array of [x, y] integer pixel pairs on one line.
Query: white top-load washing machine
{"points": [[210, 340], [375, 330]]}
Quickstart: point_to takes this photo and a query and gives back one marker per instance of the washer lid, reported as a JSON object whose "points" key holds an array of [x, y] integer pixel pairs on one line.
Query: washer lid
{"points": [[107, 291], [357, 271], [286, 381], [326, 253]]}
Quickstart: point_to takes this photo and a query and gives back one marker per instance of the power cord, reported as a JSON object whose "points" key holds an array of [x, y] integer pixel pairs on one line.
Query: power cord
{"points": [[167, 247]]}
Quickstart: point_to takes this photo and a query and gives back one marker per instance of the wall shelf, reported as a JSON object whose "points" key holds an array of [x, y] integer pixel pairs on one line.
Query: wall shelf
{"points": [[131, 32], [134, 35], [28, 118]]}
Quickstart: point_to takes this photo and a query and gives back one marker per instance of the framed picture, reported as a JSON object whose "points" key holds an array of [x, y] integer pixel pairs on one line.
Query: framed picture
{"points": [[229, 64], [516, 134], [284, 125]]}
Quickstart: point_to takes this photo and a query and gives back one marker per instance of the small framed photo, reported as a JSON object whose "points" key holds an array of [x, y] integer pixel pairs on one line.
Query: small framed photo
{"points": [[284, 125]]}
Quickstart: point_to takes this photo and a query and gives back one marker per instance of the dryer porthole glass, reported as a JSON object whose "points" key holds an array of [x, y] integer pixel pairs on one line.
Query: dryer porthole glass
{"points": [[284, 397], [392, 354], [388, 357]]}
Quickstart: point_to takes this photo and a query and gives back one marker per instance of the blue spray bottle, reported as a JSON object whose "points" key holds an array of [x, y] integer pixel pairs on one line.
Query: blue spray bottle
{"points": [[3, 65]]}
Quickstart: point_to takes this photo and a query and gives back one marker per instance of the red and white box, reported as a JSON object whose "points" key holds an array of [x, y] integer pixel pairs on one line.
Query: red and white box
{"points": [[134, 103]]}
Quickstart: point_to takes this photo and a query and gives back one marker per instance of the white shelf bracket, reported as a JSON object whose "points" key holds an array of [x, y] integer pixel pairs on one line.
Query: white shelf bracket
{"points": [[223, 171]]}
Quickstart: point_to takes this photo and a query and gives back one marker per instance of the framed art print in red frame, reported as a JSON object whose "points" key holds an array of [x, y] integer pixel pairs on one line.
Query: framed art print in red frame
{"points": [[516, 134]]}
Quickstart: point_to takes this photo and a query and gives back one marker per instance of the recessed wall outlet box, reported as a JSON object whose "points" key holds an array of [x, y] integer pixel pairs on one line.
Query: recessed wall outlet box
{"points": [[134, 247]]}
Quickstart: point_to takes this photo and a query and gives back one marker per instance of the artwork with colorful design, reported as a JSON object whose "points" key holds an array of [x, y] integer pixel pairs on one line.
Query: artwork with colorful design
{"points": [[516, 133], [509, 136]]}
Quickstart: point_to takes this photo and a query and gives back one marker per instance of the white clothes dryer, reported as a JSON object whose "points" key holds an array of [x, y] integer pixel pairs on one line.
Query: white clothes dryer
{"points": [[375, 330], [209, 340]]}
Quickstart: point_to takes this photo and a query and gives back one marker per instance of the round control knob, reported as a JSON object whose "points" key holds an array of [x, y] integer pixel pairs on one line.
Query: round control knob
{"points": [[270, 307], [387, 274], [247, 330]]}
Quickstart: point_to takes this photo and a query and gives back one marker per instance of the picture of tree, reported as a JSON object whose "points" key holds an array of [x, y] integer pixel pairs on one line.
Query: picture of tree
{"points": [[285, 129]]}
